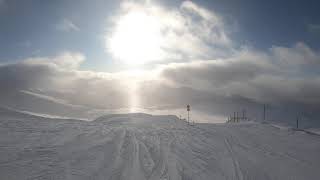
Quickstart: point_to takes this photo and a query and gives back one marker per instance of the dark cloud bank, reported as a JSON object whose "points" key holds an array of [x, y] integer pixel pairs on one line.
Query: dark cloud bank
{"points": [[286, 79]]}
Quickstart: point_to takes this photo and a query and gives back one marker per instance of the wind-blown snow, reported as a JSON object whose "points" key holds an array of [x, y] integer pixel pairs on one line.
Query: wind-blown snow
{"points": [[141, 146]]}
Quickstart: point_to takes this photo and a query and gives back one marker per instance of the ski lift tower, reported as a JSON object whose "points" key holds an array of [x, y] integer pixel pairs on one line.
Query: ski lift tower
{"points": [[188, 109]]}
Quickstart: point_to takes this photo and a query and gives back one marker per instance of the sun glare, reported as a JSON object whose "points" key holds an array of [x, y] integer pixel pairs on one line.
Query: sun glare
{"points": [[136, 38]]}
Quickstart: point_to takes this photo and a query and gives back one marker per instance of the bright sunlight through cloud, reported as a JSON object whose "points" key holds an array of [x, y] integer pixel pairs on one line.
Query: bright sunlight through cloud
{"points": [[136, 39], [143, 33]]}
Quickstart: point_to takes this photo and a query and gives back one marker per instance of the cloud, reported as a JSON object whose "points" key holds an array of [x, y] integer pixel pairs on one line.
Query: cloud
{"points": [[215, 88], [67, 25], [188, 32], [64, 60], [251, 74], [58, 77], [283, 78], [299, 54]]}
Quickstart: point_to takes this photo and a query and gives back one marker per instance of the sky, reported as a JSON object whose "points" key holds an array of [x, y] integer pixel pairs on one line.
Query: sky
{"points": [[83, 58]]}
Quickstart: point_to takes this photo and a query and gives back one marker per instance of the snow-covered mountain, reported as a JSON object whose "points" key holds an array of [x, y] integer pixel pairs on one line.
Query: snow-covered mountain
{"points": [[143, 146]]}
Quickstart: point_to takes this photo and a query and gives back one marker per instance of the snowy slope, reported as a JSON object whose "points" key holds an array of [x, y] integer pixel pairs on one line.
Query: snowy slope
{"points": [[41, 104], [141, 146]]}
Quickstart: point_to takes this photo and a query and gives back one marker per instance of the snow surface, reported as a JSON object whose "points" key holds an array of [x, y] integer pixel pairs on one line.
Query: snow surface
{"points": [[141, 146]]}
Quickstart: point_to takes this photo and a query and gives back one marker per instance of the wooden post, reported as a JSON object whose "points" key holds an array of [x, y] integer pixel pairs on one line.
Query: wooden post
{"points": [[244, 115], [188, 109], [188, 118], [264, 112], [237, 116]]}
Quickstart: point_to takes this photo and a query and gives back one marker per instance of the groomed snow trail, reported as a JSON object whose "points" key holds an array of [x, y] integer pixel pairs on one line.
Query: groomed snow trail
{"points": [[145, 147]]}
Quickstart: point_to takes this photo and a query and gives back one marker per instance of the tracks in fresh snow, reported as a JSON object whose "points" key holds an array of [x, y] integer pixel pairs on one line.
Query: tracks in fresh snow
{"points": [[153, 148], [140, 156], [236, 166]]}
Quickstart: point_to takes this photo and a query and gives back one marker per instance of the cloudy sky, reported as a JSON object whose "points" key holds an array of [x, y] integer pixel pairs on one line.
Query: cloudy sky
{"points": [[83, 58]]}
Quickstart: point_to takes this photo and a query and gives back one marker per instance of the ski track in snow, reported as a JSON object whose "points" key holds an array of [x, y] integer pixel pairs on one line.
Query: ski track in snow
{"points": [[145, 147]]}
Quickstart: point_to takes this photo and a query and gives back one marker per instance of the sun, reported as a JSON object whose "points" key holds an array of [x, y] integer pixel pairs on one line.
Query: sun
{"points": [[136, 38]]}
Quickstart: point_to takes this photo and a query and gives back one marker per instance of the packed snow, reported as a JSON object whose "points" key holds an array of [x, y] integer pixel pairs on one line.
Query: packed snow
{"points": [[142, 146]]}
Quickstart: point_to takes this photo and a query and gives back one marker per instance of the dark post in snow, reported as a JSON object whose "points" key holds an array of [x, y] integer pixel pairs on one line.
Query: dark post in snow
{"points": [[188, 109], [298, 122], [237, 117], [244, 115], [264, 112]]}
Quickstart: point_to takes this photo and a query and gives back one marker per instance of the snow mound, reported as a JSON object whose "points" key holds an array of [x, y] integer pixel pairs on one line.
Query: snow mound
{"points": [[136, 118]]}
